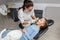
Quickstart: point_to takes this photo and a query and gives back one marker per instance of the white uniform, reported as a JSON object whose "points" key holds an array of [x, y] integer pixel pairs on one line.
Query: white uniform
{"points": [[24, 15]]}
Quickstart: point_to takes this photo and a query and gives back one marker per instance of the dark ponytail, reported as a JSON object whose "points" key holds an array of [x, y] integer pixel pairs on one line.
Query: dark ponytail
{"points": [[26, 0], [26, 4]]}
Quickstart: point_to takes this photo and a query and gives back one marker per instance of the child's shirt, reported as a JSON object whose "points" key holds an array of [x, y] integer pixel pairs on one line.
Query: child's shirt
{"points": [[30, 32]]}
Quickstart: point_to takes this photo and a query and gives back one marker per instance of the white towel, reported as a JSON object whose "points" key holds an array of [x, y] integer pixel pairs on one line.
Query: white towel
{"points": [[12, 35]]}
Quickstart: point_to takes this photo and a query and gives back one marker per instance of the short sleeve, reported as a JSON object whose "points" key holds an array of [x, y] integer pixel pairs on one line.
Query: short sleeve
{"points": [[20, 15]]}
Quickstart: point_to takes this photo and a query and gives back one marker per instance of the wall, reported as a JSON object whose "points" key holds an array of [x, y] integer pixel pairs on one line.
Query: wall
{"points": [[47, 1]]}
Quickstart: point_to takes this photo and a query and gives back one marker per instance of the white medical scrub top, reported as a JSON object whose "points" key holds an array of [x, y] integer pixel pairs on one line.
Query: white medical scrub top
{"points": [[23, 15]]}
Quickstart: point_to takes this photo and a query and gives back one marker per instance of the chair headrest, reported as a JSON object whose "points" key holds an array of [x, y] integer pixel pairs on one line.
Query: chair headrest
{"points": [[50, 22]]}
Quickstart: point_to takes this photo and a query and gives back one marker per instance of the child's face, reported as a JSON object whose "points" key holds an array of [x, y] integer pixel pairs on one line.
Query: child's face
{"points": [[41, 21]]}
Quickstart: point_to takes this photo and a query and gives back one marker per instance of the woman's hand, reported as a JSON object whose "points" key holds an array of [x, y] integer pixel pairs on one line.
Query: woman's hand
{"points": [[34, 20], [37, 19], [25, 23], [33, 17]]}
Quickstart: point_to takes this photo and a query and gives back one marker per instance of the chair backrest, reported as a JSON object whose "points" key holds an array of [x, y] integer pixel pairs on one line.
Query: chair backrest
{"points": [[14, 14], [38, 13]]}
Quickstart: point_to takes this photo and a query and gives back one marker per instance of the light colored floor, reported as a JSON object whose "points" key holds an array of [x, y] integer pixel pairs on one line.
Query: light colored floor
{"points": [[53, 33], [7, 22]]}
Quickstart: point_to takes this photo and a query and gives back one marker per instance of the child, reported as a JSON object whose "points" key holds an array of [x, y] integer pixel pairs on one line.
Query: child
{"points": [[30, 32]]}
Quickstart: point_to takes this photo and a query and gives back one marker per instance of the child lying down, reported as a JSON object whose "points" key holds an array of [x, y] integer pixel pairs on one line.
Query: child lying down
{"points": [[28, 33]]}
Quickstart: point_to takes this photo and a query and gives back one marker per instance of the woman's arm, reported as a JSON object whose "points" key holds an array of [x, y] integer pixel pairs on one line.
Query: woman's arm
{"points": [[33, 17], [21, 17], [33, 14], [24, 22]]}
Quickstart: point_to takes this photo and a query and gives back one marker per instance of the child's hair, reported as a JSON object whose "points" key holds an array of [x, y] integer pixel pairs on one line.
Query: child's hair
{"points": [[27, 4], [45, 23]]}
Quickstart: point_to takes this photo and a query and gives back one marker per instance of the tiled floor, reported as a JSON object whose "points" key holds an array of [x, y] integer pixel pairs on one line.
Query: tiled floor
{"points": [[7, 22]]}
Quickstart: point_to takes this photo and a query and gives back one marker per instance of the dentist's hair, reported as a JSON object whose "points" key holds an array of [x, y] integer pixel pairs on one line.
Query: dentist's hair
{"points": [[27, 4]]}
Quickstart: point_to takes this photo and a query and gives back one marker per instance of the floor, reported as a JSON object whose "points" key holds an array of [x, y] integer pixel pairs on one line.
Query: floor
{"points": [[53, 32], [7, 22]]}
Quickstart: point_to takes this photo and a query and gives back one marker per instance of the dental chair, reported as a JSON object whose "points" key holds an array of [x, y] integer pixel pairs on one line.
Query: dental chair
{"points": [[42, 31]]}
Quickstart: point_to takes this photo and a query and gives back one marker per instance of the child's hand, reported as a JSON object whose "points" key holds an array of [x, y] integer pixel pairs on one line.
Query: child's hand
{"points": [[24, 30]]}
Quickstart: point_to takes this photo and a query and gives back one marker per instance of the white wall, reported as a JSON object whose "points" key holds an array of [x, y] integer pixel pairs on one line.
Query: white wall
{"points": [[36, 1], [47, 1]]}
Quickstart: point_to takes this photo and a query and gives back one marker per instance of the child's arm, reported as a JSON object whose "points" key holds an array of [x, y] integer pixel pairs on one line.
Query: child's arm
{"points": [[24, 30]]}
